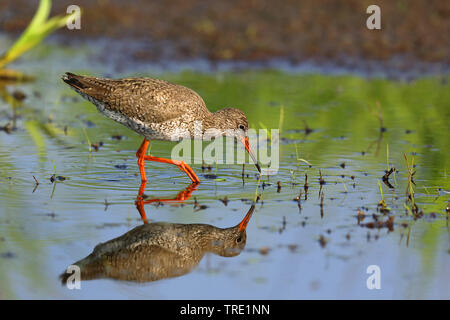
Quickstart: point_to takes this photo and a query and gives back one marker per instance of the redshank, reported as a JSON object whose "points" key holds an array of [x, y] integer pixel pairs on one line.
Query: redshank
{"points": [[159, 110], [160, 250]]}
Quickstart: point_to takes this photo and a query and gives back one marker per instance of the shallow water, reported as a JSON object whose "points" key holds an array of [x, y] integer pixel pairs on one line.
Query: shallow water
{"points": [[316, 252]]}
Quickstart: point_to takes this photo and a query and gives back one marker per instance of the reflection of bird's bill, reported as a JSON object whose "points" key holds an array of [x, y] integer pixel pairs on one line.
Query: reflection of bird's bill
{"points": [[246, 144], [244, 222]]}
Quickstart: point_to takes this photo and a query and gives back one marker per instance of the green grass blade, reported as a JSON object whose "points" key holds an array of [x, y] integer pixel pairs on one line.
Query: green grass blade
{"points": [[37, 30]]}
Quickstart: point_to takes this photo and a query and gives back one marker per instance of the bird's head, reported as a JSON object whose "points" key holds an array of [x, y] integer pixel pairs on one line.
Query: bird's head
{"points": [[231, 122], [232, 240]]}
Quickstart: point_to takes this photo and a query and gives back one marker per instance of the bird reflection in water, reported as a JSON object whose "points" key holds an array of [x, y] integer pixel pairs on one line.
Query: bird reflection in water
{"points": [[182, 196], [160, 250]]}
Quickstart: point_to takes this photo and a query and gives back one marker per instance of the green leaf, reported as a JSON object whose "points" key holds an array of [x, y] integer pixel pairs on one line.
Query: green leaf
{"points": [[38, 29]]}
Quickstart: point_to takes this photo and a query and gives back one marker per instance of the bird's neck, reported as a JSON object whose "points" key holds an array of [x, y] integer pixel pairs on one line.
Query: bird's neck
{"points": [[214, 124], [211, 120]]}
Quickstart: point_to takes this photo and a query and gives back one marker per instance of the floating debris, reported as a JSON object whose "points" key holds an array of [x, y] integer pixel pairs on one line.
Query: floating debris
{"points": [[298, 200], [385, 178], [265, 184], [7, 128], [382, 207], [54, 178], [264, 250], [278, 186], [204, 167], [418, 214], [360, 215], [389, 224], [323, 241], [96, 146], [19, 95], [224, 201], [117, 137], [321, 179], [200, 207]]}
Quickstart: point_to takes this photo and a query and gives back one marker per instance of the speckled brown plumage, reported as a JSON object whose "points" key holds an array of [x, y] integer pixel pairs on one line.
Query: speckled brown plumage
{"points": [[154, 108], [156, 251]]}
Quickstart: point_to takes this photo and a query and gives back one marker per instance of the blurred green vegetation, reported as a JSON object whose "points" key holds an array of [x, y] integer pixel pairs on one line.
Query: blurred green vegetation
{"points": [[38, 29]]}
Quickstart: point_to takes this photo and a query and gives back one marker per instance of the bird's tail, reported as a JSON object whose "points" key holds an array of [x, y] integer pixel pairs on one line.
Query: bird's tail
{"points": [[91, 88], [90, 268]]}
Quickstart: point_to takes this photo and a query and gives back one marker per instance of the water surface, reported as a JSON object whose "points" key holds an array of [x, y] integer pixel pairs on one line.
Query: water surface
{"points": [[316, 251]]}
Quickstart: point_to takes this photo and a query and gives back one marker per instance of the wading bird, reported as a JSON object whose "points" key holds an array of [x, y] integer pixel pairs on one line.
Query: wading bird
{"points": [[159, 110]]}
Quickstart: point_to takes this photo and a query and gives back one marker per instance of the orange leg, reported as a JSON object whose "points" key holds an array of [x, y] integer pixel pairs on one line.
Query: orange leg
{"points": [[140, 154], [181, 197], [183, 166]]}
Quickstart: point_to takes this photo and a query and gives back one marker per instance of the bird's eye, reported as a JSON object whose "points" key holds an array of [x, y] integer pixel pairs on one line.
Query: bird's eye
{"points": [[239, 239], [242, 127]]}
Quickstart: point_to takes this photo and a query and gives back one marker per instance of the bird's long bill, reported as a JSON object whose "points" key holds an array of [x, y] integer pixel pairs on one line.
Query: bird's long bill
{"points": [[246, 144], [244, 222]]}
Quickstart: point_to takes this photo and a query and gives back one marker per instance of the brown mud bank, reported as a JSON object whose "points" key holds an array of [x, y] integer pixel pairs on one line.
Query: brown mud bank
{"points": [[249, 30]]}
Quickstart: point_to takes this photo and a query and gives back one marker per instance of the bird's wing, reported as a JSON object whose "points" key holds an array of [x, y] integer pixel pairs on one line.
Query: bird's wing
{"points": [[146, 99]]}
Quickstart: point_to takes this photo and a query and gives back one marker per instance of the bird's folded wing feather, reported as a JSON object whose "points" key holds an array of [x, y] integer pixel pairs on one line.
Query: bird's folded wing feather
{"points": [[149, 100]]}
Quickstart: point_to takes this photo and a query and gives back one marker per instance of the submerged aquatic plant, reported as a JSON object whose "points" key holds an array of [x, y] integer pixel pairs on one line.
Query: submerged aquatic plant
{"points": [[38, 29], [410, 188]]}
